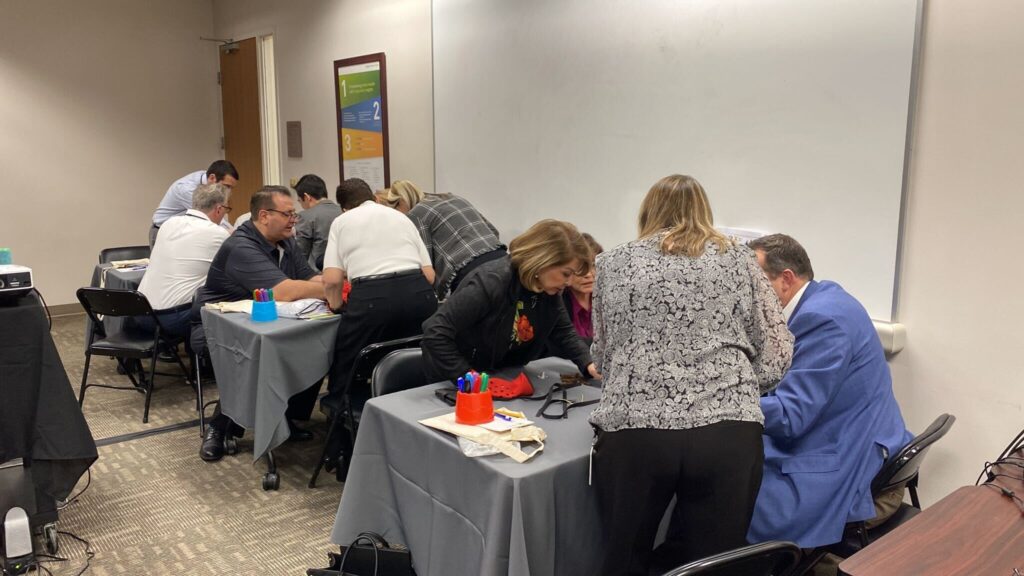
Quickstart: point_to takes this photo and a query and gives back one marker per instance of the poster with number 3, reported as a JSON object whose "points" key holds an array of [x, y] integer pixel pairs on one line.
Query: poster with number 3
{"points": [[361, 91]]}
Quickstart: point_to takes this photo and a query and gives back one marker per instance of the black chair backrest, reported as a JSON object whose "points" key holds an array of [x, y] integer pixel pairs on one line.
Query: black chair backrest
{"points": [[904, 466], [108, 255], [109, 302], [399, 370], [773, 558], [370, 355]]}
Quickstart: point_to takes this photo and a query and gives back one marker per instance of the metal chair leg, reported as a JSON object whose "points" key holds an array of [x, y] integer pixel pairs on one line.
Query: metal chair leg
{"points": [[85, 376], [199, 396], [327, 444], [149, 384]]}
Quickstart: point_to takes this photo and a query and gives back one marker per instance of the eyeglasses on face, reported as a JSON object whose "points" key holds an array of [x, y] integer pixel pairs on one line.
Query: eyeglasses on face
{"points": [[226, 207], [291, 214]]}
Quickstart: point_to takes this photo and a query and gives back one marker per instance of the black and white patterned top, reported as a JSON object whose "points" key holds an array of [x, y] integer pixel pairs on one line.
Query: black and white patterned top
{"points": [[454, 232], [684, 342]]}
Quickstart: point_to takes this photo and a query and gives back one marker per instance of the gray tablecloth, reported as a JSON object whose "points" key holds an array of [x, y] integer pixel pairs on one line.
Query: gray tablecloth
{"points": [[260, 365], [117, 279], [474, 516]]}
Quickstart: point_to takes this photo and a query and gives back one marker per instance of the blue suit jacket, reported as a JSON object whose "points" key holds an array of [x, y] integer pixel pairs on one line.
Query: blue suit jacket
{"points": [[828, 425]]}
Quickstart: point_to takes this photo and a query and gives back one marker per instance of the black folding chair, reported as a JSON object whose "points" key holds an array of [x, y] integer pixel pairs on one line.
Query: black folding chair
{"points": [[773, 558], [108, 255], [399, 370], [346, 407], [128, 344], [900, 470]]}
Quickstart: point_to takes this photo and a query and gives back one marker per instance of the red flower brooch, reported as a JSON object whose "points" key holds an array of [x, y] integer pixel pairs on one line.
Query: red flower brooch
{"points": [[522, 330]]}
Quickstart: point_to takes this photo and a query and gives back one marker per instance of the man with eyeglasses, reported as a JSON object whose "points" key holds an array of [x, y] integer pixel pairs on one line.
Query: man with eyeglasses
{"points": [[261, 253], [178, 197], [181, 258]]}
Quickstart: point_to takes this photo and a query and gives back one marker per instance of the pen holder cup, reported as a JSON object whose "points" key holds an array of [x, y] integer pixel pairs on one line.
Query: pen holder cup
{"points": [[474, 409], [264, 311]]}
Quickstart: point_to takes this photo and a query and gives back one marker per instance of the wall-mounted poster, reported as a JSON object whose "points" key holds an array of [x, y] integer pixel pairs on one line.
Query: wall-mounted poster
{"points": [[361, 91]]}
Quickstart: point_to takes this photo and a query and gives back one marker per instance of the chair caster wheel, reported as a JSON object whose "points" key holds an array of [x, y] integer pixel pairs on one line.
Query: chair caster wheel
{"points": [[230, 446], [50, 540], [271, 481]]}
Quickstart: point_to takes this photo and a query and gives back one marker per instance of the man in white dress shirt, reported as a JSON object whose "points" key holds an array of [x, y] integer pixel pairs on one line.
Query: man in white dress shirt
{"points": [[178, 197], [181, 257], [380, 251]]}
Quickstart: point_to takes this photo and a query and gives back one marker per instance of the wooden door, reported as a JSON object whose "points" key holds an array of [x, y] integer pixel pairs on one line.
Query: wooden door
{"points": [[240, 99]]}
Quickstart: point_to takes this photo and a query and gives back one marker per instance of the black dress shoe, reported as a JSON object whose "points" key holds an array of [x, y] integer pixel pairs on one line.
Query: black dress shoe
{"points": [[297, 434], [213, 445], [338, 465]]}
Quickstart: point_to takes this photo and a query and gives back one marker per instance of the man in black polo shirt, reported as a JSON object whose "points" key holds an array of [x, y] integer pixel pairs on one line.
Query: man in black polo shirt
{"points": [[260, 254]]}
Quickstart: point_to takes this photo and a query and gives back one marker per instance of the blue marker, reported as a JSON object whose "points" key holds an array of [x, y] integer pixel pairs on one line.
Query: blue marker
{"points": [[461, 383], [502, 416]]}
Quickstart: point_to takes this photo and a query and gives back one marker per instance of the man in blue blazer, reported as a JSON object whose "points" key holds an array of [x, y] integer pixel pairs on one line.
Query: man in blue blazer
{"points": [[833, 420]]}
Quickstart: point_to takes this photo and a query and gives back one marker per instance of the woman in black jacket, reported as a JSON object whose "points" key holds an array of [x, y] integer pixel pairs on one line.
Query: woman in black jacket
{"points": [[508, 310]]}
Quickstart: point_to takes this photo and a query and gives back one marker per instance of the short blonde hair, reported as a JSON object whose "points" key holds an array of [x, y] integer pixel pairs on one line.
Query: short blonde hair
{"points": [[677, 205], [402, 190], [548, 243]]}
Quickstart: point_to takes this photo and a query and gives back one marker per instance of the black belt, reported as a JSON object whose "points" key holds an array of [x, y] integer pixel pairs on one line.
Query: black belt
{"points": [[387, 276]]}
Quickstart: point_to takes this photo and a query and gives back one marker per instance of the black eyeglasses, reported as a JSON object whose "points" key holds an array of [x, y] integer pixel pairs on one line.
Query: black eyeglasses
{"points": [[226, 208], [558, 396], [291, 215]]}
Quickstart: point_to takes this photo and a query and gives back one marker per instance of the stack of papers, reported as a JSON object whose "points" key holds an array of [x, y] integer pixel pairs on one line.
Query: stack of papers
{"points": [[139, 263], [305, 309]]}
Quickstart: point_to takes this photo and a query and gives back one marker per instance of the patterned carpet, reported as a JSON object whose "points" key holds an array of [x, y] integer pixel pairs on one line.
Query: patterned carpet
{"points": [[153, 507]]}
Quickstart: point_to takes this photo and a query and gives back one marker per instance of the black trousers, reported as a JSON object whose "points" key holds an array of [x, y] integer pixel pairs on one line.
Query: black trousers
{"points": [[714, 471], [377, 311]]}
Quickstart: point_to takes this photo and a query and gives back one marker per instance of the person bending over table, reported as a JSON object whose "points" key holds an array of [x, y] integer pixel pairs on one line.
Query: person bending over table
{"points": [[509, 310], [260, 254], [833, 420], [457, 236], [178, 198], [687, 333], [380, 252]]}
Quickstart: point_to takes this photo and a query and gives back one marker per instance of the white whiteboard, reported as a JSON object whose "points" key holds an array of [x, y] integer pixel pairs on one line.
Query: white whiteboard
{"points": [[792, 114]]}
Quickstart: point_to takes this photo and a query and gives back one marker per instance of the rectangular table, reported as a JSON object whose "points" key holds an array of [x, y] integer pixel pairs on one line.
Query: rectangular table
{"points": [[40, 420], [260, 365], [973, 531], [109, 277], [474, 516]]}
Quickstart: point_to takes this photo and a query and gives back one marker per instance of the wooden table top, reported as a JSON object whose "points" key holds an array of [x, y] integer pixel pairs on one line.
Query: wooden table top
{"points": [[974, 530]]}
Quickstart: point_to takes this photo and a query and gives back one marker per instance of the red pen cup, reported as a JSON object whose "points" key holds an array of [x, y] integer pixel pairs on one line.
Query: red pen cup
{"points": [[474, 409]]}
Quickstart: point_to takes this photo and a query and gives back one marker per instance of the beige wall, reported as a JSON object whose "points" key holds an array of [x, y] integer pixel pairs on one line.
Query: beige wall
{"points": [[309, 35], [102, 105], [960, 294]]}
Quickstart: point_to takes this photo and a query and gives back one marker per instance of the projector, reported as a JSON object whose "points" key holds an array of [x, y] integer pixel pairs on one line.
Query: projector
{"points": [[14, 279]]}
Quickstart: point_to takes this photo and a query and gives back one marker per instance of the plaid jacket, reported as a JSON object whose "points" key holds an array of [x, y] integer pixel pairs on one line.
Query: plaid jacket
{"points": [[454, 233]]}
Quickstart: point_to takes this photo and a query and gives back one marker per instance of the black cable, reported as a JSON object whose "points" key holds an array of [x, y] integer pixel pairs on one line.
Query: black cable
{"points": [[49, 319], [89, 554], [1009, 494], [986, 470], [1012, 447], [88, 481]]}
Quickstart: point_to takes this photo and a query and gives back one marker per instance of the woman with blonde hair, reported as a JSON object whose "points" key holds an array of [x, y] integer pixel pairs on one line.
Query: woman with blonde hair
{"points": [[457, 236], [507, 312], [688, 334]]}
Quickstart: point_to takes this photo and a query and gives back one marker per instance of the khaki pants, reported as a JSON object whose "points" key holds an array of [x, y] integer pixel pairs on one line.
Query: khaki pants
{"points": [[886, 504]]}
